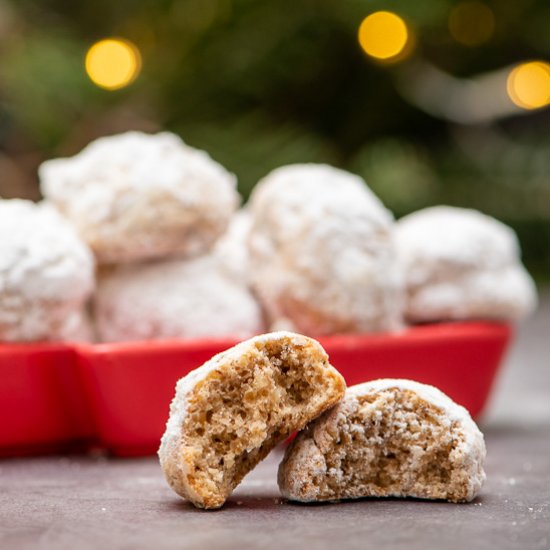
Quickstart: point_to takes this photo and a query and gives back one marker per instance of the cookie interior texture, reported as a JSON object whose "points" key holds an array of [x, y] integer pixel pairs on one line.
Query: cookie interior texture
{"points": [[249, 399], [386, 443]]}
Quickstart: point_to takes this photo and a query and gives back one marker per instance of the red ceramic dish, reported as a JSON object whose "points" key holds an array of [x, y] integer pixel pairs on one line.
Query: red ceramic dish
{"points": [[42, 400], [50, 394], [131, 385]]}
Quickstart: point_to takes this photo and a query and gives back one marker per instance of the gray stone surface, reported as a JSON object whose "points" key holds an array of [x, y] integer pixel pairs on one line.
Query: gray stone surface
{"points": [[521, 395], [85, 502]]}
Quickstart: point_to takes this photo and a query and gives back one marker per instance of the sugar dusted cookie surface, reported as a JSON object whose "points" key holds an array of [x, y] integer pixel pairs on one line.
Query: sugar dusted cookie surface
{"points": [[46, 274], [461, 264], [387, 438], [232, 247], [322, 254], [78, 327], [184, 299], [229, 414], [137, 196]]}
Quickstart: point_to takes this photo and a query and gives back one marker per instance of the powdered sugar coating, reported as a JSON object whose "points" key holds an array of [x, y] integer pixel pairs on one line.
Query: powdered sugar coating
{"points": [[77, 327], [136, 196], [461, 264], [232, 247], [322, 252], [46, 272], [174, 299]]}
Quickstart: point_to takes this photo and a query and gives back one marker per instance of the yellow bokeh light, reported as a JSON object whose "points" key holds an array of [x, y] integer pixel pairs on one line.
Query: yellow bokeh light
{"points": [[384, 35], [528, 85], [113, 63], [471, 23]]}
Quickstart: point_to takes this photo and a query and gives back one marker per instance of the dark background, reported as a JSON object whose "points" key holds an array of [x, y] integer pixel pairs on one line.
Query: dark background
{"points": [[260, 83]]}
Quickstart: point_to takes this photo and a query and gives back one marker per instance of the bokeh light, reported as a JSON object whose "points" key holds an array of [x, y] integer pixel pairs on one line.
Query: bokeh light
{"points": [[528, 85], [471, 23], [113, 63], [384, 35]]}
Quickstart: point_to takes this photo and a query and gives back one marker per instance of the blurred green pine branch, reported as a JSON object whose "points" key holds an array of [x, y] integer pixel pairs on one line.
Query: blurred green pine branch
{"points": [[260, 83]]}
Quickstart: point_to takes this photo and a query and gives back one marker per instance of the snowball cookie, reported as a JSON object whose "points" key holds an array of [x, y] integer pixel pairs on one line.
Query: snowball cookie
{"points": [[46, 273], [229, 414], [461, 264], [137, 196], [387, 438], [322, 252], [174, 299]]}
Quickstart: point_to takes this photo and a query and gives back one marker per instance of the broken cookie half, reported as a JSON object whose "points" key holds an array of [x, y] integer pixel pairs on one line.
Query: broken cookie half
{"points": [[229, 414], [387, 438]]}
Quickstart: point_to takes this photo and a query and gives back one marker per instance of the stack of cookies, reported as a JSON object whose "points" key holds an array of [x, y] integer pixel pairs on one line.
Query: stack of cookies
{"points": [[313, 251], [158, 224], [152, 210]]}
